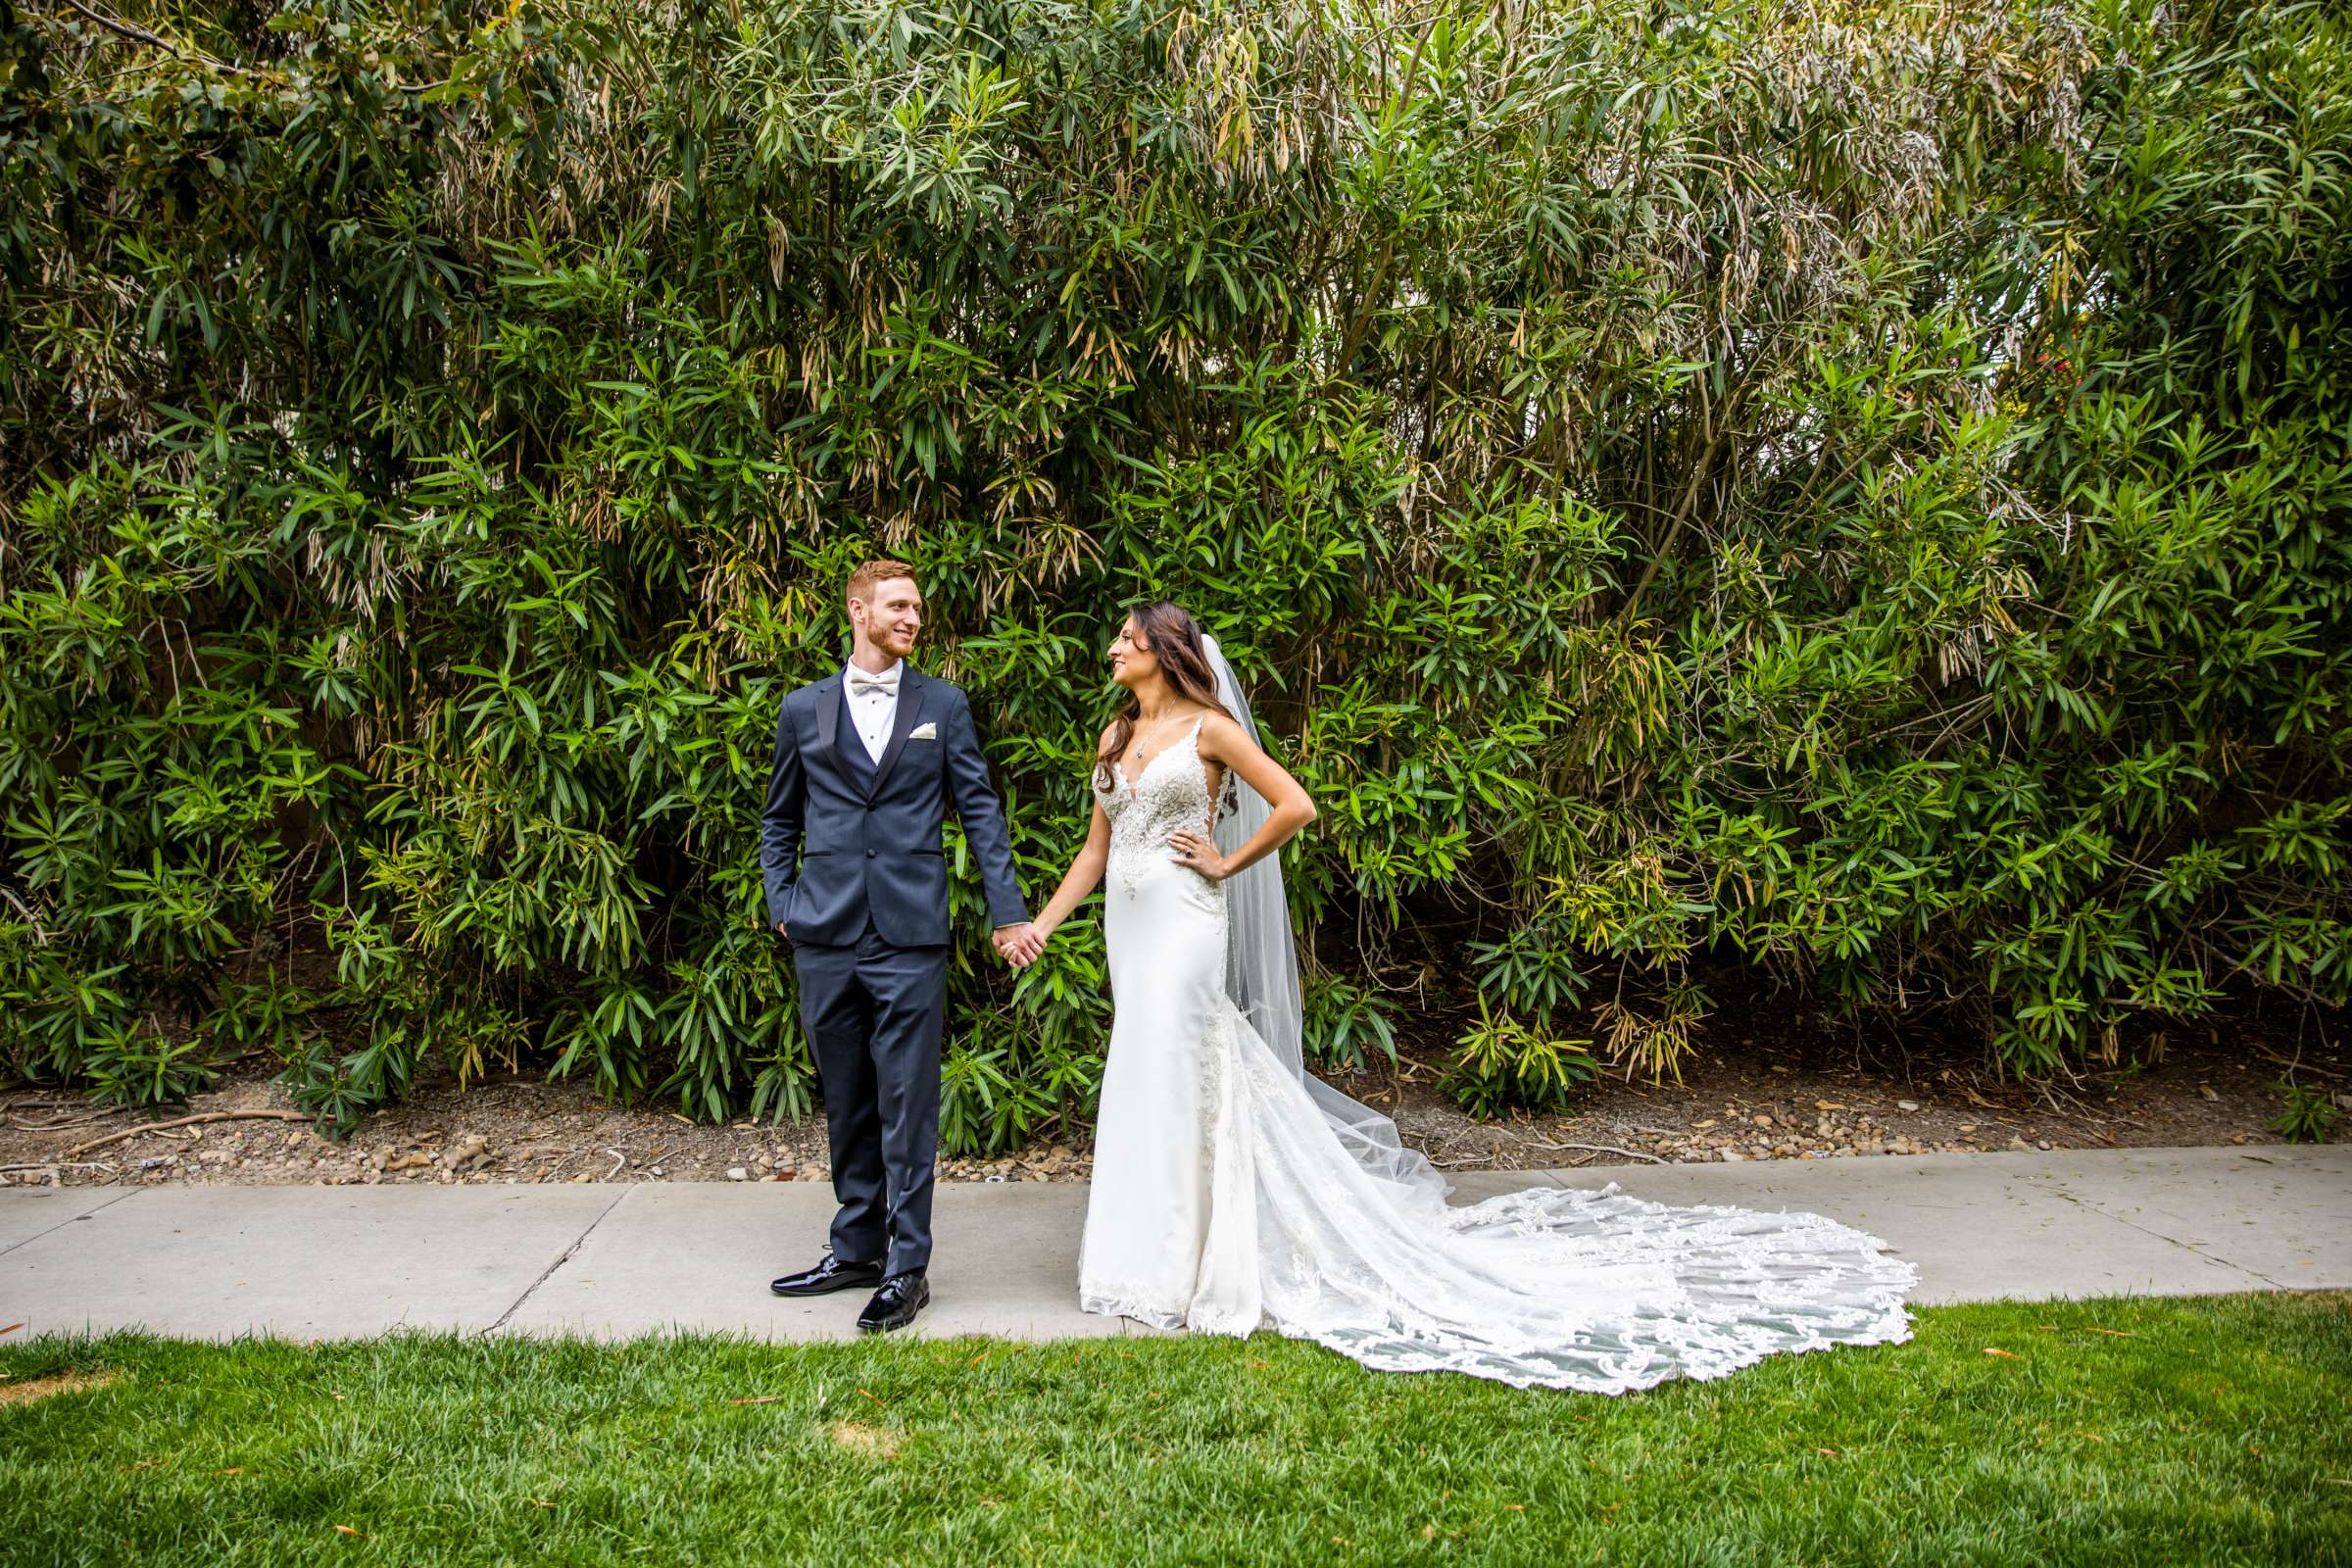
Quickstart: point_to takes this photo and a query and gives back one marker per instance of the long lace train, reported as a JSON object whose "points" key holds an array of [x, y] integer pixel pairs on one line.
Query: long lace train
{"points": [[1227, 1198]]}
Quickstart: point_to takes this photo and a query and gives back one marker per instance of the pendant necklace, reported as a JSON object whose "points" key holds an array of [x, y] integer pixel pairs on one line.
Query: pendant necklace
{"points": [[1142, 752]]}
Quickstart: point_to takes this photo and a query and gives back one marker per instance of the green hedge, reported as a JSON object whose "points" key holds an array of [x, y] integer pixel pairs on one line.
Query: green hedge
{"points": [[1827, 486]]}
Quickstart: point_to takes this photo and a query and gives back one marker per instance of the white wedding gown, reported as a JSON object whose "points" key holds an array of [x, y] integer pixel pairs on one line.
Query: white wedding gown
{"points": [[1226, 1199]]}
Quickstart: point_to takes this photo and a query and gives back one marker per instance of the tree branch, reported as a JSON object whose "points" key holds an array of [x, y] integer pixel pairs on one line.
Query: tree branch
{"points": [[210, 1115], [143, 35]]}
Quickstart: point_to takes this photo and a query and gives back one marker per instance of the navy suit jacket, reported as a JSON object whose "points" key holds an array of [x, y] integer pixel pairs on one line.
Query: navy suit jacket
{"points": [[843, 836]]}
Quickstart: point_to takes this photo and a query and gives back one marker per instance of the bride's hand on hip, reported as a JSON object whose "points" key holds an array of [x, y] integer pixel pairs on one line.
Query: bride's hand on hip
{"points": [[1199, 852]]}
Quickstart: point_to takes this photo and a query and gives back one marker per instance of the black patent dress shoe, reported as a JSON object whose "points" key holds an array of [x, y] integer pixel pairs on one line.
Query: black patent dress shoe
{"points": [[829, 1275], [895, 1305]]}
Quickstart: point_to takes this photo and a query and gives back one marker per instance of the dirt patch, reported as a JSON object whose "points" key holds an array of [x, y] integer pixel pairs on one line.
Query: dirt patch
{"points": [[510, 1128], [858, 1437], [33, 1390], [1793, 1087], [1766, 1082]]}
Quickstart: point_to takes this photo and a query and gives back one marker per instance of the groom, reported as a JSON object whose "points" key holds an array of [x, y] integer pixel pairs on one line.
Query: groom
{"points": [[868, 763]]}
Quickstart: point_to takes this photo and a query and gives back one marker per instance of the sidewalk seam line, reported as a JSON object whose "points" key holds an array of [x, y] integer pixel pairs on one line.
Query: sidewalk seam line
{"points": [[2172, 1241], [563, 1258], [70, 1220]]}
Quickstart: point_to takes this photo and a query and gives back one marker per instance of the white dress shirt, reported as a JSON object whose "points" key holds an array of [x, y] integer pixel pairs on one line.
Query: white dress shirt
{"points": [[874, 709]]}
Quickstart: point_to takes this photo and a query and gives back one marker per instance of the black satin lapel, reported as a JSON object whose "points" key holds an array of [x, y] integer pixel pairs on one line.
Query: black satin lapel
{"points": [[911, 713], [830, 735], [828, 714]]}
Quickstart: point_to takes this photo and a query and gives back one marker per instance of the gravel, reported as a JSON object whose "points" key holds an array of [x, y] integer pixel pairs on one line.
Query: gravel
{"points": [[1742, 1104]]}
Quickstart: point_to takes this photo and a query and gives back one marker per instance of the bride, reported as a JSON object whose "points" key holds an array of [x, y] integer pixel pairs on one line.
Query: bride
{"points": [[1233, 1190]]}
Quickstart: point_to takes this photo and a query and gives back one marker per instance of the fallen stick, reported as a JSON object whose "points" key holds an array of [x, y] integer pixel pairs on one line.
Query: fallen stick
{"points": [[63, 1164], [184, 1122], [1600, 1149]]}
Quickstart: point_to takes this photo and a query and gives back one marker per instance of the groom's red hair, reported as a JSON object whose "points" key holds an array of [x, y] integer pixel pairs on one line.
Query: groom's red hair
{"points": [[864, 580]]}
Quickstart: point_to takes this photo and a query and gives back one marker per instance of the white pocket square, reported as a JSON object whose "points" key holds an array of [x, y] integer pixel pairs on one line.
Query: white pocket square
{"points": [[923, 732]]}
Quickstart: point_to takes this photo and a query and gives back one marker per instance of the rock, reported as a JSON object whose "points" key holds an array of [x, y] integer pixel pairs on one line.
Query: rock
{"points": [[2016, 1141], [1733, 1156], [736, 1173], [408, 1161], [1906, 1104]]}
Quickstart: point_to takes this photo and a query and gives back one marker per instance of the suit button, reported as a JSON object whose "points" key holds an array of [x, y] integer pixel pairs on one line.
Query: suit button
{"points": [[870, 854]]}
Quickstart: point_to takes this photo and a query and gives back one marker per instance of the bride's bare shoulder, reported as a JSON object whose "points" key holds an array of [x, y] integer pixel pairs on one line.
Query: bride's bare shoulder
{"points": [[1220, 737]]}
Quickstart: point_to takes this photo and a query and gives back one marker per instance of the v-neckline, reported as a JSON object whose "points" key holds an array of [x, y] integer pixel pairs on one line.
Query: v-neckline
{"points": [[1135, 785]]}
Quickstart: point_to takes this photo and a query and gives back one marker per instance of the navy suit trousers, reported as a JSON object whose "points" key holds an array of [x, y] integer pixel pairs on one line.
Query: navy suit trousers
{"points": [[874, 1013]]}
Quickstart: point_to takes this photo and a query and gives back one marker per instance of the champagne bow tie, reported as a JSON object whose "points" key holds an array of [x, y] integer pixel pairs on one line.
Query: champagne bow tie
{"points": [[860, 681]]}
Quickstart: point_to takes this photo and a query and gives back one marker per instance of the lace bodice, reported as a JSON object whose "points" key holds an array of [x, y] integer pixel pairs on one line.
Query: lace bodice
{"points": [[1160, 801]]}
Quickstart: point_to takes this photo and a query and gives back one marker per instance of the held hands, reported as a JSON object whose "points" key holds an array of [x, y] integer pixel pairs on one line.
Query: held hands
{"points": [[1200, 853], [1020, 944]]}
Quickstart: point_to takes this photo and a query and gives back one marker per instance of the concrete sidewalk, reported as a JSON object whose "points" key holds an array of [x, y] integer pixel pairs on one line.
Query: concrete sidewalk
{"points": [[345, 1262]]}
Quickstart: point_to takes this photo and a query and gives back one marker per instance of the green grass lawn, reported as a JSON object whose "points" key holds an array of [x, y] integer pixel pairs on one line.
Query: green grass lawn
{"points": [[2113, 1433]]}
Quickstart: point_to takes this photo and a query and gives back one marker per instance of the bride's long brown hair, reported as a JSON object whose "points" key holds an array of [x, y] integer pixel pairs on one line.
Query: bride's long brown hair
{"points": [[1169, 630]]}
